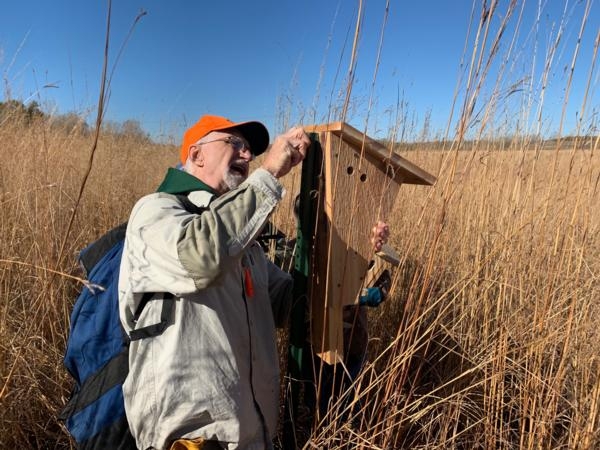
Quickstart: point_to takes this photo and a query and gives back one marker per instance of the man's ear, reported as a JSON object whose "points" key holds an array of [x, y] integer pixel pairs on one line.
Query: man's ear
{"points": [[195, 155]]}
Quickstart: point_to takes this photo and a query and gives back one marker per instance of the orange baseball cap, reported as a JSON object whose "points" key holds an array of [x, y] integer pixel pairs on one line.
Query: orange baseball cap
{"points": [[255, 133]]}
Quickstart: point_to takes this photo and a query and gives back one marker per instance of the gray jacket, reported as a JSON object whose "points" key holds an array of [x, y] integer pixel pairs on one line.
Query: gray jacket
{"points": [[214, 371]]}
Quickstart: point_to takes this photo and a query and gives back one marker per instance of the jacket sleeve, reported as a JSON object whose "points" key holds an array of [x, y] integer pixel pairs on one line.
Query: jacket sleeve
{"points": [[174, 250]]}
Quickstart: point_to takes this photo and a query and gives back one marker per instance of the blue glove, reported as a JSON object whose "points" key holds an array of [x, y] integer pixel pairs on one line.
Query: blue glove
{"points": [[371, 297], [374, 295]]}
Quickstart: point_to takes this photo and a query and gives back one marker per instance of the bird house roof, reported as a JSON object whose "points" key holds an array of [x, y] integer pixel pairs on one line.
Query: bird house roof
{"points": [[388, 162]]}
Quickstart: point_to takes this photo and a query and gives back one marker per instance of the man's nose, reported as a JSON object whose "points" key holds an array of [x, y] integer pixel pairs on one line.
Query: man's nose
{"points": [[246, 154]]}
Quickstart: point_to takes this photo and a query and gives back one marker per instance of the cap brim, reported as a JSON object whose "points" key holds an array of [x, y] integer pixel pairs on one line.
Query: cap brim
{"points": [[255, 133]]}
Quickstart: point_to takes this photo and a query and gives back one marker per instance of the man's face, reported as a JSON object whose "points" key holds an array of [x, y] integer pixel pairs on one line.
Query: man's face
{"points": [[225, 161]]}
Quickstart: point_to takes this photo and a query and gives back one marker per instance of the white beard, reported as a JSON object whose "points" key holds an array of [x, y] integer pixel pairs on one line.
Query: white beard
{"points": [[233, 180]]}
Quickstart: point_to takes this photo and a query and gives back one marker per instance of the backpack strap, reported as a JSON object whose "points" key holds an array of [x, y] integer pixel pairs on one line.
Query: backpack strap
{"points": [[110, 375], [189, 205], [166, 313], [168, 300]]}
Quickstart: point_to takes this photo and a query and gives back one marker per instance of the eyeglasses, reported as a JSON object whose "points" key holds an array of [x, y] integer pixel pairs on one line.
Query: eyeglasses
{"points": [[238, 144]]}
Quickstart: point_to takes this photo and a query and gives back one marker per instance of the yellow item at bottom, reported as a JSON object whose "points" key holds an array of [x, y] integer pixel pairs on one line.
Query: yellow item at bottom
{"points": [[188, 444]]}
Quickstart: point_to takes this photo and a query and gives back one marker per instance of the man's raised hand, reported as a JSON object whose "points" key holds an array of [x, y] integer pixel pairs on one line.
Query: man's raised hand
{"points": [[288, 150]]}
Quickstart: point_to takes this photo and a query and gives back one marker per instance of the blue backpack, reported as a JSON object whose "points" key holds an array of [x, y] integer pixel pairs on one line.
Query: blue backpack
{"points": [[98, 349]]}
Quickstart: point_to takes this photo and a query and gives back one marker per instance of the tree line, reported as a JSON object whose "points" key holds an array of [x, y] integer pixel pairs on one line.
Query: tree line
{"points": [[30, 113]]}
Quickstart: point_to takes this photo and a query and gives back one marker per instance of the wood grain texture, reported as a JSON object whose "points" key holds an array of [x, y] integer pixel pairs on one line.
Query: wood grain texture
{"points": [[361, 180], [357, 194]]}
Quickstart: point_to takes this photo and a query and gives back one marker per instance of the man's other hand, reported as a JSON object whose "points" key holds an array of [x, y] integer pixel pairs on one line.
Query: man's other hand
{"points": [[381, 233]]}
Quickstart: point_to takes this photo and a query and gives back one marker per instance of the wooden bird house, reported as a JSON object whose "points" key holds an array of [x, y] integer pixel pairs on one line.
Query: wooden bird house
{"points": [[360, 180]]}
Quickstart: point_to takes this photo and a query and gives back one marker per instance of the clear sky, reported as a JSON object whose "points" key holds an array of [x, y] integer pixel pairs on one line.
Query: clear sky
{"points": [[285, 62]]}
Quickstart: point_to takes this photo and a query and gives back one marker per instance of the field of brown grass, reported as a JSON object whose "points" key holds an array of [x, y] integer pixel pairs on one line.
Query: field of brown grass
{"points": [[41, 173], [490, 339], [497, 342]]}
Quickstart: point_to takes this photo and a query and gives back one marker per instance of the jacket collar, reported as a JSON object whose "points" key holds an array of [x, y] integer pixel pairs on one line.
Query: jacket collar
{"points": [[179, 182]]}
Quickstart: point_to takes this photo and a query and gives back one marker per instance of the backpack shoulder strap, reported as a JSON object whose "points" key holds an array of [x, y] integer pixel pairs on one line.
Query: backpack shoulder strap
{"points": [[189, 205], [166, 314], [168, 301]]}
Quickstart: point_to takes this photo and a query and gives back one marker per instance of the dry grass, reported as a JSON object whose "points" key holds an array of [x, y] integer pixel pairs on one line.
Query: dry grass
{"points": [[490, 340], [42, 168]]}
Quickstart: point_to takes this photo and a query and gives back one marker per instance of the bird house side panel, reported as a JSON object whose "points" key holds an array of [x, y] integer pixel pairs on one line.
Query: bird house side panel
{"points": [[358, 194]]}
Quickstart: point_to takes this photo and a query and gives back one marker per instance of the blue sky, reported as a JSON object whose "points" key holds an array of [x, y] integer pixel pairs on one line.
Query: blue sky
{"points": [[285, 62]]}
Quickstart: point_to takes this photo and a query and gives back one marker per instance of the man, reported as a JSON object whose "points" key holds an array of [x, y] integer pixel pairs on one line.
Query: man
{"points": [[210, 379]]}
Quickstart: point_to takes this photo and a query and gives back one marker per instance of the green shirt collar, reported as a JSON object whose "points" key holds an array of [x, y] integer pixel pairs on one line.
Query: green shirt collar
{"points": [[179, 182]]}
